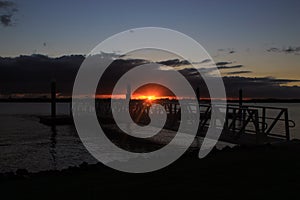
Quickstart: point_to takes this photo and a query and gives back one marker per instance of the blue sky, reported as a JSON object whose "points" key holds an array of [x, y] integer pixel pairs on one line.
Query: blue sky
{"points": [[249, 28]]}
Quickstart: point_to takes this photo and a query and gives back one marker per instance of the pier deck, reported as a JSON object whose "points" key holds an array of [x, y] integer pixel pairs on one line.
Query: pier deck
{"points": [[244, 125]]}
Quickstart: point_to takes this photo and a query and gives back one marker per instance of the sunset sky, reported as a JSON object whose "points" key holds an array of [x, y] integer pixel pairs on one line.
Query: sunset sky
{"points": [[262, 36]]}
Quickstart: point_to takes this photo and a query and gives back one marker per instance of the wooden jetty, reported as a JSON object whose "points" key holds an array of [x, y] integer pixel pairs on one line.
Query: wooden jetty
{"points": [[244, 124], [249, 124]]}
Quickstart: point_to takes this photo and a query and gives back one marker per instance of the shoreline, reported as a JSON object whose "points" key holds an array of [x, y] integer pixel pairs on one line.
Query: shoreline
{"points": [[258, 170]]}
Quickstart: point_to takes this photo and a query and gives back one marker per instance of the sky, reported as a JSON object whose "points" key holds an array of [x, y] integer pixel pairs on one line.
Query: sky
{"points": [[260, 35]]}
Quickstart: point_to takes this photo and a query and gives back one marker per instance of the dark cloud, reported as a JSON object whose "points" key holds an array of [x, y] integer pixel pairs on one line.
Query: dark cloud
{"points": [[227, 51], [289, 50], [6, 4], [273, 49], [223, 63], [278, 81], [205, 61], [262, 81], [6, 20], [178, 63], [230, 67], [7, 11], [115, 71], [189, 71], [33, 74], [174, 62], [238, 72], [265, 87], [292, 50]]}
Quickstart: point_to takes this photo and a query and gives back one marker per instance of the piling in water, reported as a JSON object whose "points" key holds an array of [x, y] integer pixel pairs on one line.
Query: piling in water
{"points": [[240, 98], [53, 99]]}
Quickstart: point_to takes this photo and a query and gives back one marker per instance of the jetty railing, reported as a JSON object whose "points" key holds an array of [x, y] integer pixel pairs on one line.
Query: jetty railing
{"points": [[268, 123], [249, 119], [260, 122]]}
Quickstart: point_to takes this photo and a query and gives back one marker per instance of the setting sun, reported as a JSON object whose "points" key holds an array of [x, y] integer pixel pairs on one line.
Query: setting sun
{"points": [[150, 98], [152, 92]]}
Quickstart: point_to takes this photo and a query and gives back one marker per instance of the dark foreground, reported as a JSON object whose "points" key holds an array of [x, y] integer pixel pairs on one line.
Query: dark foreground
{"points": [[266, 171]]}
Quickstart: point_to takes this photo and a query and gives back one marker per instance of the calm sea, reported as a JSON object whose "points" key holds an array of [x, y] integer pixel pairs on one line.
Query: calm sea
{"points": [[25, 143]]}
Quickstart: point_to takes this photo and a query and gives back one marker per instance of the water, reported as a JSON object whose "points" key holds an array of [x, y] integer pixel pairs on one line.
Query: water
{"points": [[25, 143]]}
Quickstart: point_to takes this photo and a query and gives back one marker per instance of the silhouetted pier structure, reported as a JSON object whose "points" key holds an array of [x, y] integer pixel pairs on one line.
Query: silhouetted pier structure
{"points": [[244, 124], [248, 124]]}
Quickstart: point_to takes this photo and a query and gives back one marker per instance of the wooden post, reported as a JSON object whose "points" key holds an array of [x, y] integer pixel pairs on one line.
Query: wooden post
{"points": [[234, 119], [128, 93], [53, 99], [240, 106], [263, 128], [71, 108], [287, 128], [259, 139], [240, 98], [198, 94]]}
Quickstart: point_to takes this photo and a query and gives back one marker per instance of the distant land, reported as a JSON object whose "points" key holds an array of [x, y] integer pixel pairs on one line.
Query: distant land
{"points": [[67, 100]]}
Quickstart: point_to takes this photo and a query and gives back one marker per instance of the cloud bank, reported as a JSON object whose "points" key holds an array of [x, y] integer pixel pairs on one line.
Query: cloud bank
{"points": [[33, 74], [289, 50], [7, 11]]}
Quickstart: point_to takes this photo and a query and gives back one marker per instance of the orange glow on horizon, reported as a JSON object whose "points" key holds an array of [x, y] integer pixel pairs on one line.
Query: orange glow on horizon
{"points": [[149, 98], [154, 97], [134, 96]]}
